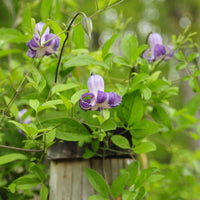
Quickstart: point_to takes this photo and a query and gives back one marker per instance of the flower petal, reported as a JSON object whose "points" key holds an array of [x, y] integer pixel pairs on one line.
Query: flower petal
{"points": [[95, 83], [33, 44], [107, 100], [159, 51], [87, 103], [148, 55], [114, 99], [41, 52], [31, 53], [38, 31], [53, 44], [168, 49], [155, 39]]}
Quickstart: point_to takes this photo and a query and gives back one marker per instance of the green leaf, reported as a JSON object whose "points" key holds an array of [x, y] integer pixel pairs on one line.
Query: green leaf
{"points": [[146, 93], [49, 104], [121, 60], [119, 184], [44, 192], [12, 35], [73, 131], [137, 79], [132, 169], [38, 172], [13, 108], [20, 126], [26, 182], [161, 116], [97, 197], [26, 21], [144, 175], [11, 157], [194, 84], [144, 128], [120, 141], [76, 96], [88, 153], [145, 147], [34, 103], [63, 87], [193, 104], [83, 60], [137, 110], [181, 66], [108, 44], [129, 46], [128, 195], [179, 55], [95, 145], [192, 56], [56, 29], [78, 36], [9, 51], [50, 136], [140, 194], [30, 130], [155, 177], [68, 104], [97, 182], [45, 9], [109, 125], [102, 3]]}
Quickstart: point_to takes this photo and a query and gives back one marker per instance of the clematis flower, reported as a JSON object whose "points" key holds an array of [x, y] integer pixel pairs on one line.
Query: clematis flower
{"points": [[97, 99], [157, 50], [38, 46]]}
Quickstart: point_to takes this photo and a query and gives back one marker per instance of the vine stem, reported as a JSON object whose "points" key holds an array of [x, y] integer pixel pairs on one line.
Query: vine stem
{"points": [[20, 149], [63, 46], [17, 92]]}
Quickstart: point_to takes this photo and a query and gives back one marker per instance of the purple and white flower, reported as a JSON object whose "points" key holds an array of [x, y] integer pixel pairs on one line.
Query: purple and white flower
{"points": [[97, 99], [41, 45], [157, 50]]}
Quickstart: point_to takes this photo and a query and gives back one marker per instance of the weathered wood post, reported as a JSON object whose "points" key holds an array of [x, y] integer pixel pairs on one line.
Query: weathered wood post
{"points": [[67, 178]]}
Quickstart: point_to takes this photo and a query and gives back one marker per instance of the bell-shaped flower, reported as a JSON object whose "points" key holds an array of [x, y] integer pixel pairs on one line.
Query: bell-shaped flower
{"points": [[42, 44], [157, 50], [97, 99]]}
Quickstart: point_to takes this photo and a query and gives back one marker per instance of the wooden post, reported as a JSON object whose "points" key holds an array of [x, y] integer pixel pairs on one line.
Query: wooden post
{"points": [[67, 178]]}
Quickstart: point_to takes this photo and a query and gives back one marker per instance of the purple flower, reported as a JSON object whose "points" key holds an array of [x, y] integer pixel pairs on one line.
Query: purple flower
{"points": [[97, 99], [157, 50], [38, 46]]}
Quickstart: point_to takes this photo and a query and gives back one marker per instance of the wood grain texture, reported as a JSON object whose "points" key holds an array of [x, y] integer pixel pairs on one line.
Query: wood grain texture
{"points": [[68, 180]]}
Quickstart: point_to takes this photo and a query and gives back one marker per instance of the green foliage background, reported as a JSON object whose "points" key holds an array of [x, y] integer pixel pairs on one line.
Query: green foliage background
{"points": [[161, 119]]}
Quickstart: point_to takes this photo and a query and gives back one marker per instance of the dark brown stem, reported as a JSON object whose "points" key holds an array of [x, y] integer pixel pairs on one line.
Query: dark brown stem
{"points": [[63, 46], [20, 149]]}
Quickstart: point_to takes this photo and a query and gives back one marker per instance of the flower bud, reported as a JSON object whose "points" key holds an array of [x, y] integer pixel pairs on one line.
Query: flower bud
{"points": [[87, 25]]}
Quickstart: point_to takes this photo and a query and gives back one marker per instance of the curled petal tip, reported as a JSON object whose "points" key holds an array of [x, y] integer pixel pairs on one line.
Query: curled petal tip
{"points": [[87, 101]]}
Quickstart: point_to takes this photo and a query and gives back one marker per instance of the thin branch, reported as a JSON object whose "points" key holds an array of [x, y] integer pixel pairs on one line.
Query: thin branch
{"points": [[20, 149], [17, 92], [63, 46]]}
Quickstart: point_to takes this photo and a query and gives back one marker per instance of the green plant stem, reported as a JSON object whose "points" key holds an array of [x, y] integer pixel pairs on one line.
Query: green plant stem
{"points": [[17, 92], [101, 10], [20, 149]]}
